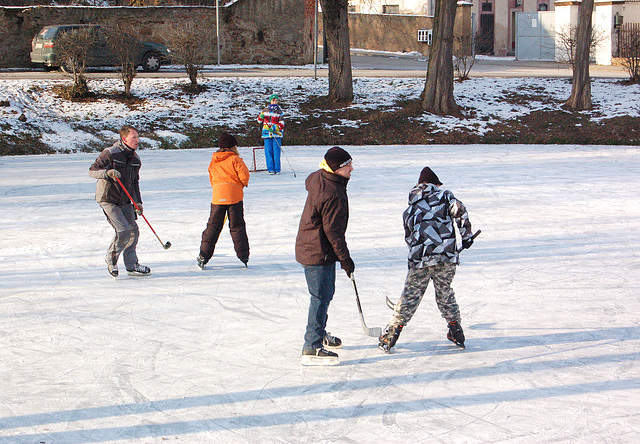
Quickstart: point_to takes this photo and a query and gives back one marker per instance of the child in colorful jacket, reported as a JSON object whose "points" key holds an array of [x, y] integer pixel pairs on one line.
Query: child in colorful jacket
{"points": [[272, 132]]}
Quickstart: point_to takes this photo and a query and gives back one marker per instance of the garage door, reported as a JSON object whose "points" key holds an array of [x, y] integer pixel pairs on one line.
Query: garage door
{"points": [[535, 36]]}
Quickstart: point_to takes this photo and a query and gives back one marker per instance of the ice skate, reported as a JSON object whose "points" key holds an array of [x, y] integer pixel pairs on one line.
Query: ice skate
{"points": [[112, 269], [139, 270], [331, 342], [319, 356], [389, 338], [455, 334], [202, 263]]}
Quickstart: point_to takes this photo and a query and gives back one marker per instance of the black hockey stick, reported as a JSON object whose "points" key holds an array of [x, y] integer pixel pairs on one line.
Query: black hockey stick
{"points": [[374, 332], [285, 156], [390, 303]]}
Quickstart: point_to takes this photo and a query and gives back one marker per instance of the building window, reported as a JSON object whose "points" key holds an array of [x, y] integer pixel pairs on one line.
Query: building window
{"points": [[391, 9], [425, 36], [487, 7], [543, 7]]}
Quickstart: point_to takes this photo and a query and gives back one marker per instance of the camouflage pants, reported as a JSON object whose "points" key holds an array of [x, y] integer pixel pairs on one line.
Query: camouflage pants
{"points": [[415, 286]]}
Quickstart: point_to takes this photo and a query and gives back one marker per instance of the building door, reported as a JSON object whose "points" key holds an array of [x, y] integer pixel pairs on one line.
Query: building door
{"points": [[485, 37]]}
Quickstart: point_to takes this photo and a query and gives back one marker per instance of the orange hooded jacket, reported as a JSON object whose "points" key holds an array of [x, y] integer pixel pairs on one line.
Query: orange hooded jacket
{"points": [[228, 175]]}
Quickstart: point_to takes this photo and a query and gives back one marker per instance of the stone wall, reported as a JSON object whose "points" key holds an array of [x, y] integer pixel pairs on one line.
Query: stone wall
{"points": [[399, 33], [251, 31]]}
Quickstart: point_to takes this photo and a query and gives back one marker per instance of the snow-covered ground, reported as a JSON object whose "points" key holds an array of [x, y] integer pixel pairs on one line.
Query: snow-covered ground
{"points": [[167, 113], [549, 295]]}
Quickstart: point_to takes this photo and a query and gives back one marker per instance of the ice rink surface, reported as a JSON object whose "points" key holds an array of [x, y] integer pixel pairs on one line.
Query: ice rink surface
{"points": [[549, 295]]}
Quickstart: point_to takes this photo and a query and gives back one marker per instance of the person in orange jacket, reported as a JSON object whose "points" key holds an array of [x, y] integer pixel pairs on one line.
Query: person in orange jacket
{"points": [[228, 175]]}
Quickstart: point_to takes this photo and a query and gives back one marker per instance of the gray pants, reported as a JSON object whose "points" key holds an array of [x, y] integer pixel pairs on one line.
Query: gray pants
{"points": [[415, 287], [123, 220]]}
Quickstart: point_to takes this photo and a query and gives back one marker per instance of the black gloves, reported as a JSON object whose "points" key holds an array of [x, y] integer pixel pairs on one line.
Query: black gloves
{"points": [[348, 266], [466, 243]]}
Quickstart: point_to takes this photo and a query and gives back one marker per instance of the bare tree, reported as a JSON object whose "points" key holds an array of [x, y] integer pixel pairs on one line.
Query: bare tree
{"points": [[568, 38], [464, 56], [335, 19], [73, 49], [190, 47], [437, 96], [125, 47], [580, 98], [629, 50]]}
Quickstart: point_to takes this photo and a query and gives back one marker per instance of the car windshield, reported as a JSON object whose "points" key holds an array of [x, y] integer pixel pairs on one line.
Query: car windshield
{"points": [[48, 33]]}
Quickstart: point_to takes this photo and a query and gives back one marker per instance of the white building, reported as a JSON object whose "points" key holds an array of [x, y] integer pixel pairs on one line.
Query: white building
{"points": [[496, 21]]}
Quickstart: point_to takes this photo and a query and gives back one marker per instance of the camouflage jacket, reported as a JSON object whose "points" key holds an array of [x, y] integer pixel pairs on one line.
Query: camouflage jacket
{"points": [[428, 226]]}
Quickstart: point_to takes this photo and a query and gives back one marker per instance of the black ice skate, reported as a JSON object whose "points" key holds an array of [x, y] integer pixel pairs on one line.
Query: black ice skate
{"points": [[331, 342], [139, 270], [202, 262], [389, 338], [319, 356], [455, 334]]}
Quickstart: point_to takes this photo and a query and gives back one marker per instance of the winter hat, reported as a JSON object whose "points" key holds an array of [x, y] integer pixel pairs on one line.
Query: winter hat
{"points": [[273, 96], [428, 176], [227, 140], [336, 158]]}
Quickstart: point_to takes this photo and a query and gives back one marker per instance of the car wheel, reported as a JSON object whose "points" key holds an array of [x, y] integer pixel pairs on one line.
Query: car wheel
{"points": [[151, 61], [48, 67]]}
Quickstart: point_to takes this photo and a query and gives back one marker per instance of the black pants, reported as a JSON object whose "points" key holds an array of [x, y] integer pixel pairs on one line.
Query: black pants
{"points": [[237, 227]]}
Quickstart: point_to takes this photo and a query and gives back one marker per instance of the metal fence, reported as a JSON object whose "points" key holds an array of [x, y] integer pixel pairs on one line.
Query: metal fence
{"points": [[629, 41]]}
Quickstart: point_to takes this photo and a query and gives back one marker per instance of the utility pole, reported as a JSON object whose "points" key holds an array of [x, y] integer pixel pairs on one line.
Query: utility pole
{"points": [[218, 29], [315, 43]]}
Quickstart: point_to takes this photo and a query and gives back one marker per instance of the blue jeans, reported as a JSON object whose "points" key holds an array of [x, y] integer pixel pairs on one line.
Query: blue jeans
{"points": [[321, 281], [272, 153]]}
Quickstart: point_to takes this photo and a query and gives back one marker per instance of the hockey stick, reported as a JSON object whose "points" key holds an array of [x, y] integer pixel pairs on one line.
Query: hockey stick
{"points": [[167, 245], [390, 303], [375, 332], [285, 156]]}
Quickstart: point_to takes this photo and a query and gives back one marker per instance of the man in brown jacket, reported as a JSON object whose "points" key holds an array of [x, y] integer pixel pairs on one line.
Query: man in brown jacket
{"points": [[319, 245], [228, 175]]}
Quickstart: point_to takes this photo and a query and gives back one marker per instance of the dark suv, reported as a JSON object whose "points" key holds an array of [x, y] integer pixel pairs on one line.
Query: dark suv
{"points": [[43, 49]]}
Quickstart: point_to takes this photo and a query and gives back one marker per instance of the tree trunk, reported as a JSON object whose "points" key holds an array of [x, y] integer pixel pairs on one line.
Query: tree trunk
{"points": [[437, 96], [192, 72], [335, 19], [128, 74], [580, 98]]}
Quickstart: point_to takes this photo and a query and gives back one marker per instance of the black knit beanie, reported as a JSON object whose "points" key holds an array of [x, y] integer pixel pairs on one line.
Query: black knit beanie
{"points": [[336, 158], [428, 176], [227, 140]]}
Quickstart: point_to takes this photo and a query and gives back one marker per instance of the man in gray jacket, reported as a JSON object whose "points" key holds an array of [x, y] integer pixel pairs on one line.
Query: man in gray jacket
{"points": [[320, 243], [120, 161]]}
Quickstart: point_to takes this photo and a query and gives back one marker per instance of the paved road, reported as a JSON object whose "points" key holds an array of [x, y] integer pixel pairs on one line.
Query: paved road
{"points": [[365, 64]]}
